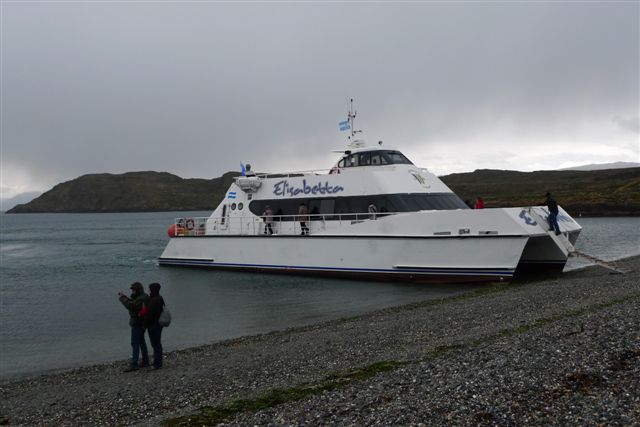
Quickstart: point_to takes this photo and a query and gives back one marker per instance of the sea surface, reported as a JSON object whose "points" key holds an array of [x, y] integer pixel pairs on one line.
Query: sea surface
{"points": [[60, 275]]}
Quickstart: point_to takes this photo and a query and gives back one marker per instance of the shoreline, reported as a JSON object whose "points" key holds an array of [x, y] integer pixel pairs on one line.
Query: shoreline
{"points": [[24, 376], [412, 338]]}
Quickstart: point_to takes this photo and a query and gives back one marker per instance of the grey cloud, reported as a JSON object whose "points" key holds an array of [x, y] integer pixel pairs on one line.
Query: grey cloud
{"points": [[195, 88], [631, 124]]}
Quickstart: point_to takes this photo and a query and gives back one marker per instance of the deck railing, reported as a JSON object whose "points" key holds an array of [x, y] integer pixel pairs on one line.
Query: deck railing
{"points": [[289, 174], [334, 170], [279, 224]]}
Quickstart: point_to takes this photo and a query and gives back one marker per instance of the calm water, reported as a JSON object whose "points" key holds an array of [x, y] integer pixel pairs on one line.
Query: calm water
{"points": [[60, 275]]}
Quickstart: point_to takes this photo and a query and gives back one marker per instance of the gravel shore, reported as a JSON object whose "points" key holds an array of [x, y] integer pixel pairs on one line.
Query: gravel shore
{"points": [[559, 351]]}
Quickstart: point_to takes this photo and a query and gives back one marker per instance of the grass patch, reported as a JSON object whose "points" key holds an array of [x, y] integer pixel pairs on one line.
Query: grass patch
{"points": [[209, 415], [545, 321]]}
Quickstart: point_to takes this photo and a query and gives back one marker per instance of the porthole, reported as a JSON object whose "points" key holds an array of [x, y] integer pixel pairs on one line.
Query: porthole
{"points": [[240, 206], [233, 206]]}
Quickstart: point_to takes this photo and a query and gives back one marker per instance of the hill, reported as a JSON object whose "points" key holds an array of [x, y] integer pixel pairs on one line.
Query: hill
{"points": [[9, 202], [601, 166], [614, 192], [130, 192]]}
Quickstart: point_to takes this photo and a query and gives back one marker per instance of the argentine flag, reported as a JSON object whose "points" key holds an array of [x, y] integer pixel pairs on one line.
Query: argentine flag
{"points": [[344, 125]]}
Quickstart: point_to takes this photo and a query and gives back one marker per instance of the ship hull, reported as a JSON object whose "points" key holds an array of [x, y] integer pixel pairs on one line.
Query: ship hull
{"points": [[480, 259]]}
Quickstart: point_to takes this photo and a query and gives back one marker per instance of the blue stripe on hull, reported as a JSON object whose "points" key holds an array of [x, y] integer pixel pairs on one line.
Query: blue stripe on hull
{"points": [[414, 271]]}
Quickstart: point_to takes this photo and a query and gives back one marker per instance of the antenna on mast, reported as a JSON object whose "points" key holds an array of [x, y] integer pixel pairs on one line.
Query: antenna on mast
{"points": [[351, 116]]}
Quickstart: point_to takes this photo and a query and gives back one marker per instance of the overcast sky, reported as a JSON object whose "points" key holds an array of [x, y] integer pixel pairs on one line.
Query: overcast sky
{"points": [[194, 88]]}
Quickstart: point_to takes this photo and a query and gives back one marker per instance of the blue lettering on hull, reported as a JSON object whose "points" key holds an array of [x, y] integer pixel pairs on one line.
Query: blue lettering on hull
{"points": [[283, 188]]}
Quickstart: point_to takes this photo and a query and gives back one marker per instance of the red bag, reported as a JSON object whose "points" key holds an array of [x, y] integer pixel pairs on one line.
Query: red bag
{"points": [[143, 311]]}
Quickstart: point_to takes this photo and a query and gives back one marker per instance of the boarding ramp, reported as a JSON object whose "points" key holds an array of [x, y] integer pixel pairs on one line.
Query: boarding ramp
{"points": [[616, 267], [561, 240], [565, 245]]}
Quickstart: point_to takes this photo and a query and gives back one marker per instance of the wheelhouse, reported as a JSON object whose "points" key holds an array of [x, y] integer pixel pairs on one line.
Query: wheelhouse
{"points": [[374, 158]]}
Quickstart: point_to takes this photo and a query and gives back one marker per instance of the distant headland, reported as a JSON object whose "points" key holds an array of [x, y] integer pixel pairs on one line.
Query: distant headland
{"points": [[611, 192]]}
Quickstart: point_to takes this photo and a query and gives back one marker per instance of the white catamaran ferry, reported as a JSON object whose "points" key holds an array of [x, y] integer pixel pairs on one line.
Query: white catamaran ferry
{"points": [[373, 215]]}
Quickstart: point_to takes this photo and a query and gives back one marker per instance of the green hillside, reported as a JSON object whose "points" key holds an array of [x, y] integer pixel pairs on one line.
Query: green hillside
{"points": [[613, 192], [130, 192]]}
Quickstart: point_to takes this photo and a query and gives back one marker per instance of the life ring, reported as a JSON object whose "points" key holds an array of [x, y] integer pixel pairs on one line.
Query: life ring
{"points": [[190, 224]]}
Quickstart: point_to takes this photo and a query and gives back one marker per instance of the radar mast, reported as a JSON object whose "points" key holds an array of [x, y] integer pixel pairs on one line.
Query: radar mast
{"points": [[351, 116]]}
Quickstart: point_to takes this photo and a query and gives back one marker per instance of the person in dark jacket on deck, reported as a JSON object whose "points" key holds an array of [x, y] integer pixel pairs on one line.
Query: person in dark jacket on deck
{"points": [[134, 304], [552, 205], [154, 308]]}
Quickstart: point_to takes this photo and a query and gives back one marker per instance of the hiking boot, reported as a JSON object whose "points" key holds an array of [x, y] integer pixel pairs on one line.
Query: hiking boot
{"points": [[131, 369], [144, 365]]}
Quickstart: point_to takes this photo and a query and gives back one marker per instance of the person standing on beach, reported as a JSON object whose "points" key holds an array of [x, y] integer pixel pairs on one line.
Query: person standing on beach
{"points": [[552, 205], [154, 308], [134, 304]]}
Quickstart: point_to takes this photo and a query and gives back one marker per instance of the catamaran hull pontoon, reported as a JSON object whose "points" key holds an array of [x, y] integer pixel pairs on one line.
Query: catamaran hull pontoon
{"points": [[415, 247]]}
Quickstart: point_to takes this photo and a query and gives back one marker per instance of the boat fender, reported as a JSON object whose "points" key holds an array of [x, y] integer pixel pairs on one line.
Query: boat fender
{"points": [[190, 224], [174, 231]]}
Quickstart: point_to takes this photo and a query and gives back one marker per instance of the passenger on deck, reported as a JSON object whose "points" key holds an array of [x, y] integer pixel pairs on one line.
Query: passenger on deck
{"points": [[479, 203], [372, 211], [303, 217], [552, 205], [248, 171], [267, 215]]}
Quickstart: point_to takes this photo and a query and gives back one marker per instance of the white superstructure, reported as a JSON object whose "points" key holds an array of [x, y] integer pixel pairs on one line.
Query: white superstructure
{"points": [[373, 215]]}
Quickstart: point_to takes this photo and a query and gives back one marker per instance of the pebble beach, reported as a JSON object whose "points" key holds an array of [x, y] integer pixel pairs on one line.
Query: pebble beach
{"points": [[563, 350]]}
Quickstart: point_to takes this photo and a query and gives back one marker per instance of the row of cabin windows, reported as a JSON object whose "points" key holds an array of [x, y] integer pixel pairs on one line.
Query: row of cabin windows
{"points": [[374, 158], [329, 207]]}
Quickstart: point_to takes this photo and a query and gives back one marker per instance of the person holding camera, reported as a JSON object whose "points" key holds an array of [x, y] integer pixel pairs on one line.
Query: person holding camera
{"points": [[135, 304]]}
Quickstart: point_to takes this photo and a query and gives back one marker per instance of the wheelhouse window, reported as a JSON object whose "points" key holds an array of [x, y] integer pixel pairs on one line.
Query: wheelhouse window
{"points": [[378, 159], [396, 157], [374, 158], [364, 159]]}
